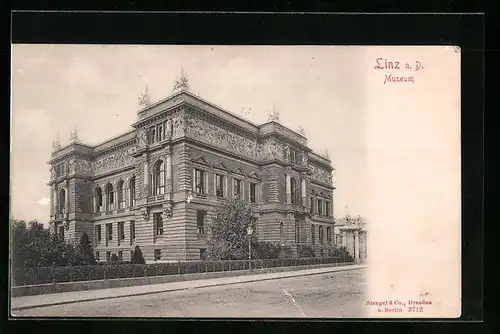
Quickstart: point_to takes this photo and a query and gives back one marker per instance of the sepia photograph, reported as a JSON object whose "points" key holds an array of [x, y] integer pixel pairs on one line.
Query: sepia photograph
{"points": [[182, 181]]}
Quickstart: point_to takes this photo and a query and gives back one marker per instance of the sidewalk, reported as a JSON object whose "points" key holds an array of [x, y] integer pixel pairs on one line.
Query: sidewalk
{"points": [[27, 302]]}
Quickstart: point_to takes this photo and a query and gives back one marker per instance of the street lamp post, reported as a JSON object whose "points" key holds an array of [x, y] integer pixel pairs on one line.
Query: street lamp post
{"points": [[249, 233]]}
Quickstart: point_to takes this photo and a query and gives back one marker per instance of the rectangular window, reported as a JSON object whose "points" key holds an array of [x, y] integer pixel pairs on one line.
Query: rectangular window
{"points": [[131, 255], [203, 253], [157, 254], [253, 188], [313, 235], [98, 232], [327, 209], [108, 256], [311, 209], [321, 235], [97, 256], [61, 232], [329, 235], [320, 207], [109, 231], [200, 221], [160, 133], [293, 156], [237, 188], [121, 231], [200, 181], [219, 185], [120, 255], [132, 231], [153, 135], [158, 223]]}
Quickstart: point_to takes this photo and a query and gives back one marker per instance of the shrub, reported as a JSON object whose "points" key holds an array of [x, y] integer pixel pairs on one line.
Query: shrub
{"points": [[137, 257], [305, 251], [271, 250], [342, 253]]}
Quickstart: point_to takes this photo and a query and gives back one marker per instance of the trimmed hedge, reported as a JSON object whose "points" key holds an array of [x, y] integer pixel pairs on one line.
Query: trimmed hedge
{"points": [[45, 275]]}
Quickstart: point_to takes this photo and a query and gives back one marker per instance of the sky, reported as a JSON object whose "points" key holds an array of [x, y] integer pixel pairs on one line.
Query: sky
{"points": [[95, 88]]}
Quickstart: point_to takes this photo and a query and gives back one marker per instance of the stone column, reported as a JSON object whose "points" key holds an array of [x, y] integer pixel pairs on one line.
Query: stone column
{"points": [[146, 177], [168, 170], [67, 197], [288, 188], [54, 202], [96, 203], [303, 191], [356, 245], [168, 128]]}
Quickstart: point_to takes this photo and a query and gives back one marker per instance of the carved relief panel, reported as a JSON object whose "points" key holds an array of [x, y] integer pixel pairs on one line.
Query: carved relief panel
{"points": [[178, 125], [273, 149], [113, 161], [321, 175], [222, 138]]}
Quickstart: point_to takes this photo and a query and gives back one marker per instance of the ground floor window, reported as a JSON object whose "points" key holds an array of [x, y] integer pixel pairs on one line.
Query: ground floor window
{"points": [[108, 256], [61, 232], [97, 256], [157, 254], [120, 255], [200, 221], [203, 254], [158, 223]]}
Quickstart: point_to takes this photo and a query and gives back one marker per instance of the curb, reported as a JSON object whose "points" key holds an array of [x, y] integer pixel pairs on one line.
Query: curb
{"points": [[20, 308]]}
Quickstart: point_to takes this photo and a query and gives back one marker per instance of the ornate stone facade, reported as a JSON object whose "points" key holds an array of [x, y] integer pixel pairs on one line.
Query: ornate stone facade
{"points": [[141, 185]]}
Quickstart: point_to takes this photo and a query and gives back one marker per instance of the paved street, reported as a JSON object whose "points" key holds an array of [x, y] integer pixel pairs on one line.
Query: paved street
{"points": [[327, 295]]}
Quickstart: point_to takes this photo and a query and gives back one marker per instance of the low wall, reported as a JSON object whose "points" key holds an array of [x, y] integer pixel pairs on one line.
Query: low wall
{"points": [[29, 290]]}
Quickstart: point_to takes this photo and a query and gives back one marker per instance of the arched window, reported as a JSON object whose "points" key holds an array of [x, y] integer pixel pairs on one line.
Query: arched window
{"points": [[98, 199], [110, 199], [159, 178], [281, 231], [120, 190], [293, 186], [132, 191], [62, 201]]}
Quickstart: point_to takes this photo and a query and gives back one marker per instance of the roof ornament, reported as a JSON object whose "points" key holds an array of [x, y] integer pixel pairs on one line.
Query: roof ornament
{"points": [[245, 111], [347, 215], [73, 138], [325, 153], [273, 116], [56, 144], [181, 83], [144, 99], [301, 131]]}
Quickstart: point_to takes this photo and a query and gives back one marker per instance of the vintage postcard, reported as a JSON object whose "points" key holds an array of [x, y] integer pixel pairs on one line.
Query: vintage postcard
{"points": [[175, 181]]}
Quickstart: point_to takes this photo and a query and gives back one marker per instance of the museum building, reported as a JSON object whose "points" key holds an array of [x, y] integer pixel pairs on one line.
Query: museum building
{"points": [[157, 185]]}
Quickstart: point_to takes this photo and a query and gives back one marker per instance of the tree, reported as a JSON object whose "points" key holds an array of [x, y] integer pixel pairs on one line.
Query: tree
{"points": [[18, 230], [137, 257], [228, 232], [61, 253], [85, 250], [35, 244]]}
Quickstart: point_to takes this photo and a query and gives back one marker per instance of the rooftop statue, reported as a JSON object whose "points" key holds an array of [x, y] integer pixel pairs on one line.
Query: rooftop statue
{"points": [[182, 82]]}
